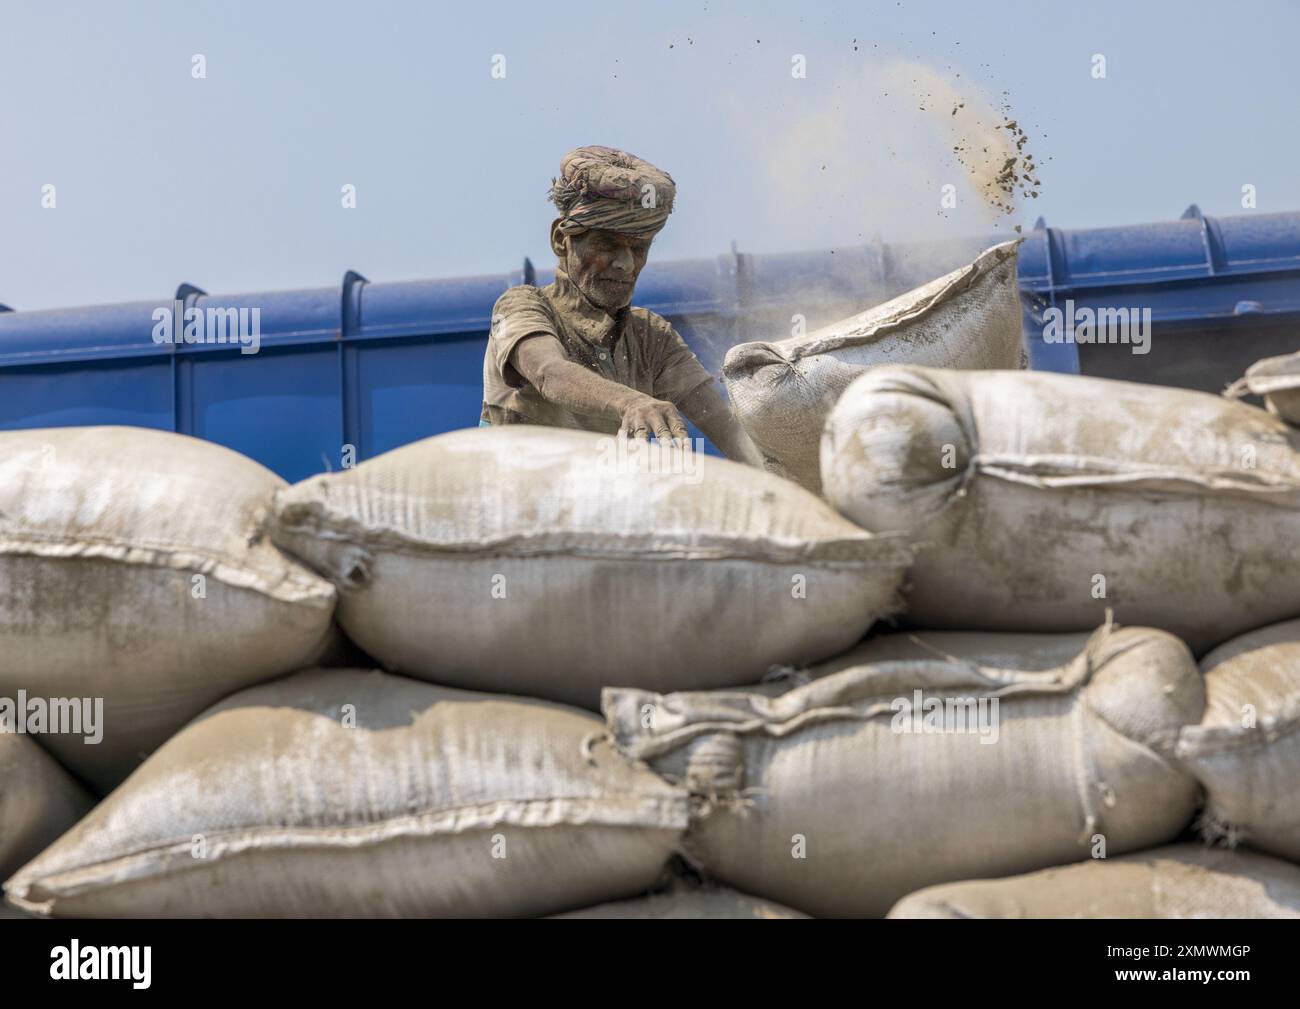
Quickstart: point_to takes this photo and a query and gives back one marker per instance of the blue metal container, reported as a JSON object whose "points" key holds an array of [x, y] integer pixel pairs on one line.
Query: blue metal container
{"points": [[344, 373]]}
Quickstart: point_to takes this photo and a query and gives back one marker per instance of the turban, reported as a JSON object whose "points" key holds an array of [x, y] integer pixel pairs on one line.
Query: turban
{"points": [[612, 190]]}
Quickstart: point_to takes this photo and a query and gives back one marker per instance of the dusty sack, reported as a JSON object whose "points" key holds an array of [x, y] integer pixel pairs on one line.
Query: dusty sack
{"points": [[544, 562], [39, 800], [1246, 750], [838, 798], [433, 802], [133, 569], [1179, 881], [1037, 501], [702, 902], [1277, 379], [782, 391]]}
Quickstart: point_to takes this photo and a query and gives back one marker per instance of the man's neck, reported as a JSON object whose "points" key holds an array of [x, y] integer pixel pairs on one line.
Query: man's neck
{"points": [[595, 323]]}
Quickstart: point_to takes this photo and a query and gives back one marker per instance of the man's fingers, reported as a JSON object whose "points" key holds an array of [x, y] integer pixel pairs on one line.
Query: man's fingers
{"points": [[661, 420]]}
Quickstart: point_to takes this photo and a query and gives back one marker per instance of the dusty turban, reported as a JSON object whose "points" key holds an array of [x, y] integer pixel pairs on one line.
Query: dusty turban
{"points": [[612, 190]]}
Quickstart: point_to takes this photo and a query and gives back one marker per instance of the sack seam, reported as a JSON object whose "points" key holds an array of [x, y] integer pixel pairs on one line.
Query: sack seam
{"points": [[294, 587], [638, 812]]}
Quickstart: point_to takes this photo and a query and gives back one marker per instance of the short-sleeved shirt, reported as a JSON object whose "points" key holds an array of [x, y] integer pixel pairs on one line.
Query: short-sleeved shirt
{"points": [[634, 347]]}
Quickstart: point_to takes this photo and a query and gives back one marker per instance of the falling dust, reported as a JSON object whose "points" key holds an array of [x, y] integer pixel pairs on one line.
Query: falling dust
{"points": [[989, 145], [868, 158], [877, 148]]}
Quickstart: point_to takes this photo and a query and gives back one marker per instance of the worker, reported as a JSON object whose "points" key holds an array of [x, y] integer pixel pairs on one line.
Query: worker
{"points": [[576, 353]]}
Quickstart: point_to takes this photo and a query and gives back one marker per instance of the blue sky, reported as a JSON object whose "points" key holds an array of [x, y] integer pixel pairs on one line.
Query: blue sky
{"points": [[233, 182]]}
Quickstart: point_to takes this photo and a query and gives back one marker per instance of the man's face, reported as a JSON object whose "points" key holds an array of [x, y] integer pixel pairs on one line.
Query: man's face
{"points": [[605, 265]]}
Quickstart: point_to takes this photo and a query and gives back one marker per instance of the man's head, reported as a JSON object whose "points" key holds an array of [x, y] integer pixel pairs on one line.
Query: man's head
{"points": [[611, 206]]}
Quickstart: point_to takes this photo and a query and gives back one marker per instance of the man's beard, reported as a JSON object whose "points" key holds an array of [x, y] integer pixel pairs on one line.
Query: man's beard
{"points": [[604, 294]]}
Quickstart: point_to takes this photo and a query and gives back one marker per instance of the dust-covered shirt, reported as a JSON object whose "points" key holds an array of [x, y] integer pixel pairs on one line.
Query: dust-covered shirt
{"points": [[634, 347]]}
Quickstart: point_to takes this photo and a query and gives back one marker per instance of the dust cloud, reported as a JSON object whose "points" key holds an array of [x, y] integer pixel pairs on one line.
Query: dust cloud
{"points": [[928, 162]]}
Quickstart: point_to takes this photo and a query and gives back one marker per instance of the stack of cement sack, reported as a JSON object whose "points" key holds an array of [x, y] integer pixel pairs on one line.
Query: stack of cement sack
{"points": [[520, 561], [1039, 503], [768, 748]]}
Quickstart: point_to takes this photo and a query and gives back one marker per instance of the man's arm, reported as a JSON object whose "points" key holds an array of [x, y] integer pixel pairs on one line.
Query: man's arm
{"points": [[682, 379], [711, 413], [541, 360]]}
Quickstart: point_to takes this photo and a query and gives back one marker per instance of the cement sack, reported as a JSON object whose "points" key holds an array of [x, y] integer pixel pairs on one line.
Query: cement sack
{"points": [[551, 563], [356, 793], [841, 796], [39, 800], [701, 902], [1246, 750], [1277, 379], [1179, 881], [1037, 501], [136, 587], [782, 391]]}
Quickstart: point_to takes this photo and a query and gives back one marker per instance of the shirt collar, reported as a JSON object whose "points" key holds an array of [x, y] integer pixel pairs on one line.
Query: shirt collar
{"points": [[589, 321]]}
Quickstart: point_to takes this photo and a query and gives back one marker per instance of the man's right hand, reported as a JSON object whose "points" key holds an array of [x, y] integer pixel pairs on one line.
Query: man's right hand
{"points": [[646, 416], [540, 359]]}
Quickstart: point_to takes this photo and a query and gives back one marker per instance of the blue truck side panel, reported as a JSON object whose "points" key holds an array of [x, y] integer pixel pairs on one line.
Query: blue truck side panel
{"points": [[372, 366]]}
